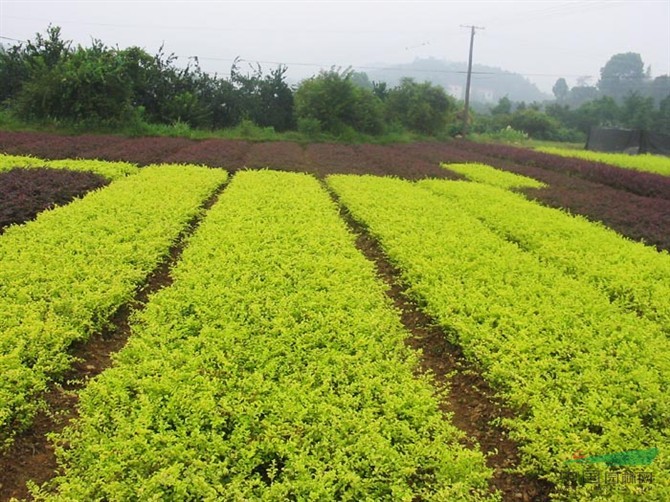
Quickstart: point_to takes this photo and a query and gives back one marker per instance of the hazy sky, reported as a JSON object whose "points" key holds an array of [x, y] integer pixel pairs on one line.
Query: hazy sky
{"points": [[542, 40]]}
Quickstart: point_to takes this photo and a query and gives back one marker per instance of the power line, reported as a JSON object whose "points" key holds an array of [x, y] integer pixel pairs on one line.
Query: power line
{"points": [[12, 39], [368, 67], [362, 67], [392, 68]]}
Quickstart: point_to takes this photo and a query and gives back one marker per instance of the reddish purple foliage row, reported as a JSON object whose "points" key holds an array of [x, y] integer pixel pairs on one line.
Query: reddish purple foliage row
{"points": [[391, 159], [281, 155], [141, 151], [16, 143], [52, 146], [68, 147], [432, 152], [26, 192], [229, 154], [331, 158], [603, 193]]}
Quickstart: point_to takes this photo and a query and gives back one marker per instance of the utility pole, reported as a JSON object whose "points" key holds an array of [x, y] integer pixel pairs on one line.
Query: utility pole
{"points": [[466, 111]]}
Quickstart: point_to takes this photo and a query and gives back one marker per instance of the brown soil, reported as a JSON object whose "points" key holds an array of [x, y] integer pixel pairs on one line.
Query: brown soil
{"points": [[31, 456], [470, 399]]}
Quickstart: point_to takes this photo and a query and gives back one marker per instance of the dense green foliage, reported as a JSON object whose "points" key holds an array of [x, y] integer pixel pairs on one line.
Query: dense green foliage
{"points": [[63, 275], [273, 368], [561, 122], [625, 96], [644, 162], [110, 170], [531, 121], [48, 81], [583, 373], [621, 75], [423, 108], [335, 103]]}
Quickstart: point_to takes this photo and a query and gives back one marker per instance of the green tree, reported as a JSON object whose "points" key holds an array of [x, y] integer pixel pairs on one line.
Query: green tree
{"points": [[581, 94], [223, 101], [361, 79], [599, 112], [504, 107], [155, 81], [266, 100], [561, 90], [637, 111], [535, 123], [622, 74], [561, 113], [423, 108], [662, 117], [659, 88], [336, 104], [88, 87], [20, 62], [368, 113]]}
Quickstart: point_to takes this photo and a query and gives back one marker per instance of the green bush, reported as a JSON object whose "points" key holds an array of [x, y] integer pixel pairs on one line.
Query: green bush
{"points": [[337, 103], [310, 127], [536, 124], [421, 108]]}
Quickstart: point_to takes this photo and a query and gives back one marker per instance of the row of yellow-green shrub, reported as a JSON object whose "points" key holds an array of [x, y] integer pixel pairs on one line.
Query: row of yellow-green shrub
{"points": [[644, 162], [581, 373], [634, 276], [273, 368], [63, 275], [495, 177], [110, 170]]}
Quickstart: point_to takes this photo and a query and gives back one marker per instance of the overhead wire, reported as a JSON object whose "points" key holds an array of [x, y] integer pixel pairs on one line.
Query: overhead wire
{"points": [[559, 9]]}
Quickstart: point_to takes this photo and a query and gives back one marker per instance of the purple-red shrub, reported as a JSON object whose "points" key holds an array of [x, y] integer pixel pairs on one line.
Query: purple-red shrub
{"points": [[19, 143], [633, 203], [281, 155], [26, 192], [55, 147], [141, 151], [229, 154]]}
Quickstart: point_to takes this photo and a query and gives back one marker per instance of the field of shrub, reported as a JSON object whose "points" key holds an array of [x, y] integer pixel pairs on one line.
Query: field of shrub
{"points": [[273, 362]]}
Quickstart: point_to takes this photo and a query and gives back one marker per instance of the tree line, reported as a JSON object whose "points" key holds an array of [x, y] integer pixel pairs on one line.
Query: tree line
{"points": [[625, 96], [49, 81]]}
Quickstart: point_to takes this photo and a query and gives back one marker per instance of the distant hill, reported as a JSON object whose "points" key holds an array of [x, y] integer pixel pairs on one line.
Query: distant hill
{"points": [[489, 84]]}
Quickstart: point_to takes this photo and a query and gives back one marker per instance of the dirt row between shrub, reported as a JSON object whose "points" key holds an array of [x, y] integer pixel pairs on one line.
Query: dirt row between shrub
{"points": [[470, 400]]}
